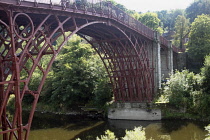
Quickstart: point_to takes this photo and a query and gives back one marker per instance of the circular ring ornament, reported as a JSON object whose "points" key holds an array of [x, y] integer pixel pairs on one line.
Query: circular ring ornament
{"points": [[24, 35]]}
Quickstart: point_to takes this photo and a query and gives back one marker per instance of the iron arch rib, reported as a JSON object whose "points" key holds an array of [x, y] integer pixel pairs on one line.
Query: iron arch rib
{"points": [[129, 66]]}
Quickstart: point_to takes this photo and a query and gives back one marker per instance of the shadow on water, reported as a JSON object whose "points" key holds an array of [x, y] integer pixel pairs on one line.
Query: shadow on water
{"points": [[158, 130], [173, 125], [68, 122], [116, 126]]}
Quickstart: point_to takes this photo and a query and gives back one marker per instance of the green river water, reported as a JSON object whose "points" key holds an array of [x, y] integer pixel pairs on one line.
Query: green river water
{"points": [[48, 126]]}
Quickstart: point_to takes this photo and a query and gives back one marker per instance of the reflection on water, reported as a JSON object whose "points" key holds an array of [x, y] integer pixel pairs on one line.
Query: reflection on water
{"points": [[59, 133], [185, 132], [62, 127]]}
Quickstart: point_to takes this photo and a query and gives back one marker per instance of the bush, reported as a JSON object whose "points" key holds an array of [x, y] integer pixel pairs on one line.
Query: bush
{"points": [[137, 134], [207, 128], [189, 91], [183, 89], [77, 78], [205, 72], [205, 99], [109, 135]]}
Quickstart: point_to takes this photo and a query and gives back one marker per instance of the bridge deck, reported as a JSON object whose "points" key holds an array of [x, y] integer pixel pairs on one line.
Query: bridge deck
{"points": [[102, 10]]}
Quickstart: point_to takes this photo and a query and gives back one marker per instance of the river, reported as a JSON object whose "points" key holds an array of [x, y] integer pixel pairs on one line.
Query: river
{"points": [[47, 126]]}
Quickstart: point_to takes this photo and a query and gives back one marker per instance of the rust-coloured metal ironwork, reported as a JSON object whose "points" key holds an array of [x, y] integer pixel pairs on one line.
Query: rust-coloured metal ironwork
{"points": [[28, 31]]}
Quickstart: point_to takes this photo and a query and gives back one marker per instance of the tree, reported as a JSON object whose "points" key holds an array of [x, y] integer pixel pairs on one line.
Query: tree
{"points": [[168, 18], [204, 102], [163, 16], [181, 29], [205, 71], [207, 128], [181, 89], [136, 15], [199, 38], [198, 7], [78, 77], [122, 7], [151, 20]]}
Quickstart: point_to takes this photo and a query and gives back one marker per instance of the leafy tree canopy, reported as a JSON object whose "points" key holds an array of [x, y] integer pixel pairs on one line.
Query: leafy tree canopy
{"points": [[198, 7], [168, 18], [181, 29], [199, 43], [78, 77], [122, 7], [149, 19]]}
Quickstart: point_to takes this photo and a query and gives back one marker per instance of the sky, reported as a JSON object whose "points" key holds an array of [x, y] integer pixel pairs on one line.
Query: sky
{"points": [[154, 5]]}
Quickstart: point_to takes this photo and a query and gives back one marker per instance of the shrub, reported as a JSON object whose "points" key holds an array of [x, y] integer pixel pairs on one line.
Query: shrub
{"points": [[205, 72], [183, 89], [109, 135], [208, 129], [205, 99], [137, 134]]}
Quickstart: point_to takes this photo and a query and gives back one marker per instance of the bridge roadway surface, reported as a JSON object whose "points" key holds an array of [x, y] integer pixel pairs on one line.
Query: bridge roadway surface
{"points": [[130, 51]]}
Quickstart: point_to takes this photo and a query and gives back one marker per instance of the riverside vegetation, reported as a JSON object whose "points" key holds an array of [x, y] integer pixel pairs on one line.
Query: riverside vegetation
{"points": [[188, 93]]}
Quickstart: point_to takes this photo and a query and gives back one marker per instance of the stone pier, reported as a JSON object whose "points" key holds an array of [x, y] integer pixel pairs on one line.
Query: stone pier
{"points": [[133, 111], [162, 57]]}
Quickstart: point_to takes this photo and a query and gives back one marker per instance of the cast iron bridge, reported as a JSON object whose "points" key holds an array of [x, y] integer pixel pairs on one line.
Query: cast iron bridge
{"points": [[130, 51]]}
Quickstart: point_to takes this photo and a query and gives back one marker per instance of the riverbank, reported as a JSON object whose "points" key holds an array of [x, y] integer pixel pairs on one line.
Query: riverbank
{"points": [[168, 112]]}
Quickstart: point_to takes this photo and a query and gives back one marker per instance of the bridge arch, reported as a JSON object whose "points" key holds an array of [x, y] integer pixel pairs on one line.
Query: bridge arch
{"points": [[33, 41]]}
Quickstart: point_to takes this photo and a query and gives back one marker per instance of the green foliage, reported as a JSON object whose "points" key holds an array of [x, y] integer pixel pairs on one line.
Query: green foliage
{"points": [[136, 15], [102, 92], [183, 89], [108, 136], [186, 90], [207, 128], [205, 100], [205, 71], [199, 43], [203, 106], [122, 7], [198, 7], [151, 20], [181, 29], [164, 16], [77, 78], [173, 114], [137, 134], [168, 18]]}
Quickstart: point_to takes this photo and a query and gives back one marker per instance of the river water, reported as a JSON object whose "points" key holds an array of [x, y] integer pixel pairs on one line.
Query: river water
{"points": [[48, 126]]}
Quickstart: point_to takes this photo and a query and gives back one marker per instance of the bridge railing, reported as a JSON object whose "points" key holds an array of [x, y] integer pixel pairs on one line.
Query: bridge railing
{"points": [[105, 7], [164, 41], [39, 1], [125, 18], [175, 49]]}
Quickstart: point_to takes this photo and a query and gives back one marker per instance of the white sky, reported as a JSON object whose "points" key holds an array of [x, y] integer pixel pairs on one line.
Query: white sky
{"points": [[154, 5]]}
